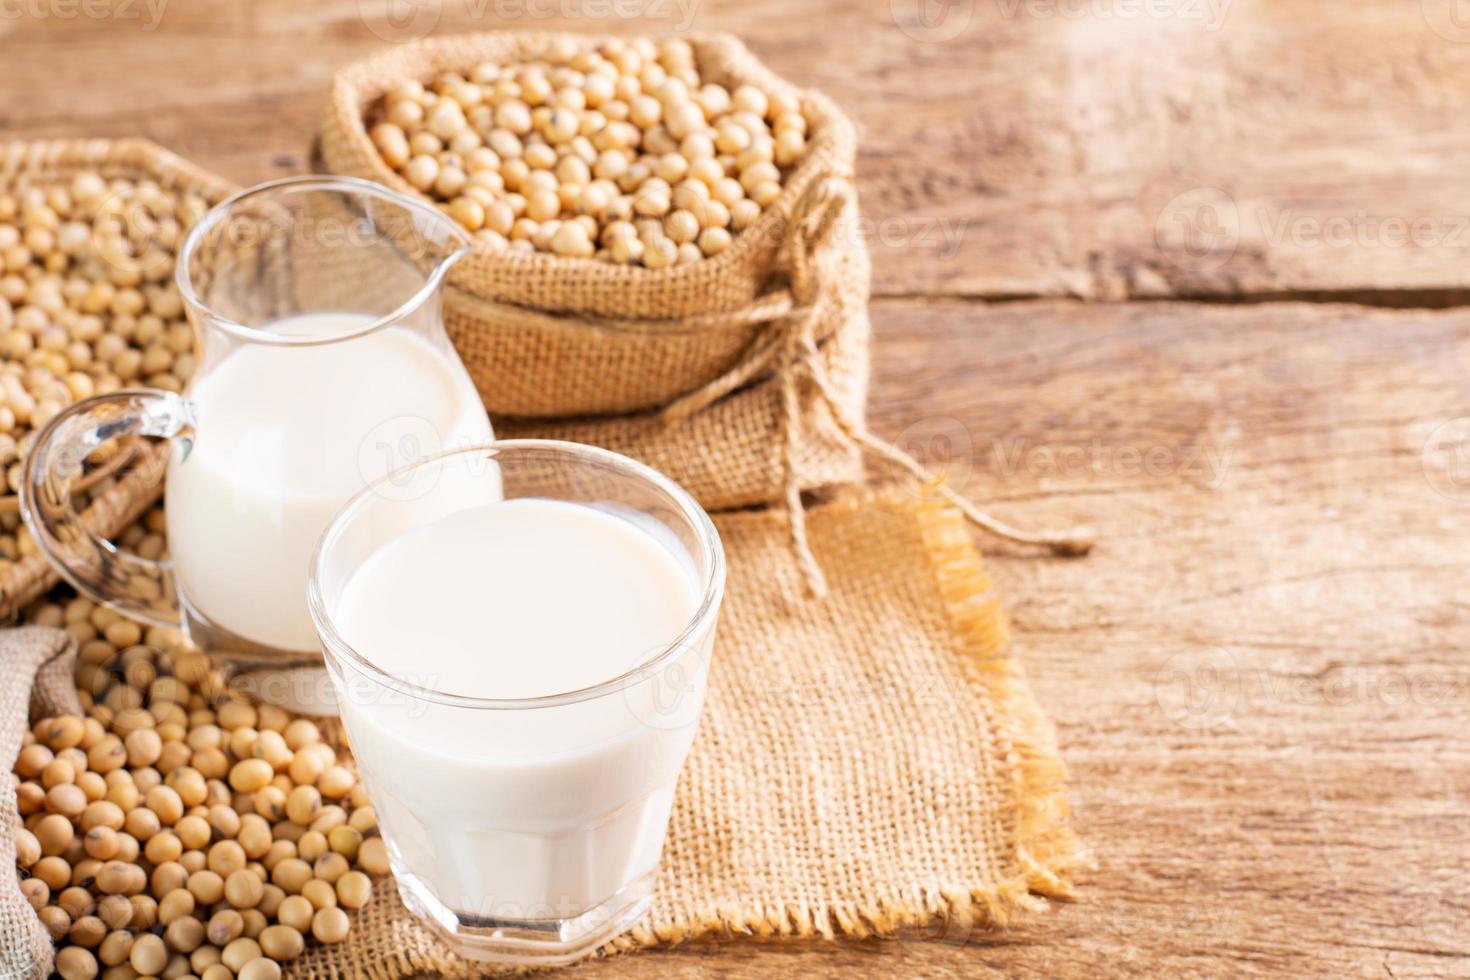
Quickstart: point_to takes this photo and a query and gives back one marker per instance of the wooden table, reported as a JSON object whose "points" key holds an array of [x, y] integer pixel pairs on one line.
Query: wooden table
{"points": [[1190, 271]]}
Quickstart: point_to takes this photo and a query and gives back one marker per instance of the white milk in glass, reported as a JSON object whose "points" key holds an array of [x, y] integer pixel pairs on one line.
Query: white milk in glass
{"points": [[520, 813], [284, 436]]}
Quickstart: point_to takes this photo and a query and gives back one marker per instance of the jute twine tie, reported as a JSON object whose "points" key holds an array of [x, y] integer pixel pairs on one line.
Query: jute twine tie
{"points": [[789, 346], [786, 346], [771, 306]]}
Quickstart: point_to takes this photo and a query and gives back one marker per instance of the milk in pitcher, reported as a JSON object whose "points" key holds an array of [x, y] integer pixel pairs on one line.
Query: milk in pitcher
{"points": [[249, 496]]}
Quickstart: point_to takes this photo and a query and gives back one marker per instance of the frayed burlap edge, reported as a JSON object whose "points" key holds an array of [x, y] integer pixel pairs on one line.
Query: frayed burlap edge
{"points": [[1044, 847]]}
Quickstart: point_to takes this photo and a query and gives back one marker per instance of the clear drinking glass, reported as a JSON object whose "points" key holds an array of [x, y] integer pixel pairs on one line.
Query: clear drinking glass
{"points": [[322, 363], [524, 830]]}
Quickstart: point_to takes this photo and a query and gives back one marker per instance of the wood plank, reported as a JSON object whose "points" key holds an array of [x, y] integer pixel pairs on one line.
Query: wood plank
{"points": [[1256, 677], [1230, 148], [1113, 149]]}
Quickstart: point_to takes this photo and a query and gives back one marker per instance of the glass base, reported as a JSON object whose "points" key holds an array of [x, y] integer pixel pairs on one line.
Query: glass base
{"points": [[295, 680], [529, 942], [299, 690]]}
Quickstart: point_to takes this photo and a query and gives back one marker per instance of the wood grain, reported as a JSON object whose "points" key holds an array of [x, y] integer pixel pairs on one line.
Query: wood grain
{"points": [[1103, 149], [1258, 678]]}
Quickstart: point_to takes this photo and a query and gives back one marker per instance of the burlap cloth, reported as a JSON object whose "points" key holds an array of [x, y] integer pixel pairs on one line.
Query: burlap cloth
{"points": [[36, 677], [640, 337], [867, 761]]}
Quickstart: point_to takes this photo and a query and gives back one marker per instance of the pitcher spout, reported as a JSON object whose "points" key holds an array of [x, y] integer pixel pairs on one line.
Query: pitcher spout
{"points": [[345, 244]]}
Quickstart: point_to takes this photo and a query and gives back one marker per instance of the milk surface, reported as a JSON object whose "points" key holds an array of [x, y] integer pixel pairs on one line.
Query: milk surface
{"points": [[534, 813], [517, 599], [284, 436]]}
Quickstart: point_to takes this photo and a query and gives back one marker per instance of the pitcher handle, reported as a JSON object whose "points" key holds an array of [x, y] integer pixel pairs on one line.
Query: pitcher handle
{"points": [[137, 587]]}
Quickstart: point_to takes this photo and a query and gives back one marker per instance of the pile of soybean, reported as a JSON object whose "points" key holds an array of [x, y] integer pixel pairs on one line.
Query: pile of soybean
{"points": [[622, 152], [175, 829], [88, 306]]}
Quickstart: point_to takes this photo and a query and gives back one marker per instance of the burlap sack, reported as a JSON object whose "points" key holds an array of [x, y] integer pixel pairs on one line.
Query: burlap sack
{"points": [[692, 369], [36, 681], [44, 163], [544, 335], [730, 453], [866, 762]]}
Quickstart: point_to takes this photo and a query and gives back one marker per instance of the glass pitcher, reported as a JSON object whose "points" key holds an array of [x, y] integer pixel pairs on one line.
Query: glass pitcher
{"points": [[323, 365]]}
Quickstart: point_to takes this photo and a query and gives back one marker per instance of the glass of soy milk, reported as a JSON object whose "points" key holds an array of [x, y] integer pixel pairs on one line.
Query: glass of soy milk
{"points": [[322, 364], [519, 636]]}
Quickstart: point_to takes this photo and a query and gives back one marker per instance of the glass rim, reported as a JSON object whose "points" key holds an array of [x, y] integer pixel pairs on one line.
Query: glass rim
{"points": [[712, 587], [216, 215]]}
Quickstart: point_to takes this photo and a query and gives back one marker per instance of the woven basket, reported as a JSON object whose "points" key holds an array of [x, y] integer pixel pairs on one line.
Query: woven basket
{"points": [[43, 163]]}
